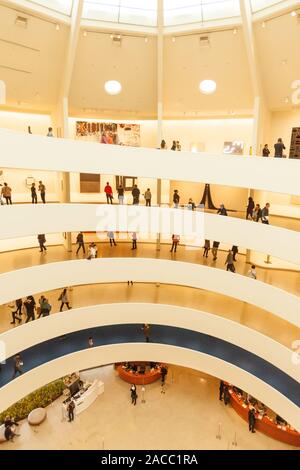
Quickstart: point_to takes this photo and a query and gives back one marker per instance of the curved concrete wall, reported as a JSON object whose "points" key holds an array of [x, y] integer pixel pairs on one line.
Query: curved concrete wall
{"points": [[42, 278], [32, 333], [103, 355], [55, 218], [26, 151]]}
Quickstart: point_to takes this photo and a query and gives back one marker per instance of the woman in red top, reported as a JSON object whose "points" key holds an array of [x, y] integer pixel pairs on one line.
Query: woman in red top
{"points": [[109, 193]]}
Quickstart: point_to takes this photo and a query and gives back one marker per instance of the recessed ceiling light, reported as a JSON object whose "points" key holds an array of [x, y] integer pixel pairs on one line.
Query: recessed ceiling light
{"points": [[284, 62], [146, 39], [113, 87], [286, 99], [173, 39], [207, 87], [234, 31], [85, 34], [263, 25], [293, 13], [57, 27]]}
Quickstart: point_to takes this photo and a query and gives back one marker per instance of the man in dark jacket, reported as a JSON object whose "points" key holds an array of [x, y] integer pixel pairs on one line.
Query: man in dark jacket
{"points": [[42, 241], [80, 242], [176, 198], [251, 419], [18, 310], [136, 195]]}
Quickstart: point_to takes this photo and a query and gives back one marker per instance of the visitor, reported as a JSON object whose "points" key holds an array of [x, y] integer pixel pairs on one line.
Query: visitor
{"points": [[176, 198], [265, 214], [33, 194], [71, 408], [109, 193], [175, 242], [134, 239], [221, 390], [39, 309], [120, 191], [29, 130], [42, 189], [266, 151], [133, 394], [19, 304], [135, 195], [222, 210], [252, 272], [250, 208], [80, 243], [129, 283], [178, 146], [229, 262], [146, 331], [251, 419], [148, 197], [235, 250], [226, 395], [163, 145], [164, 372], [90, 342], [93, 251], [191, 205], [111, 237], [206, 248], [45, 308], [279, 147], [50, 132], [18, 363], [64, 298], [29, 305], [174, 145], [257, 213], [6, 193], [214, 250], [42, 240]]}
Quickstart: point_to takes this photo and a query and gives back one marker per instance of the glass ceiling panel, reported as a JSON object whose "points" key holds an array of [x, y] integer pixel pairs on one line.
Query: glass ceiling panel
{"points": [[60, 6], [178, 12], [257, 5], [135, 12]]}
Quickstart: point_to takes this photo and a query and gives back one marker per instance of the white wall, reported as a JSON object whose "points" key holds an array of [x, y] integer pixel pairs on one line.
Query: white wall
{"points": [[97, 356], [22, 282], [212, 132], [39, 123]]}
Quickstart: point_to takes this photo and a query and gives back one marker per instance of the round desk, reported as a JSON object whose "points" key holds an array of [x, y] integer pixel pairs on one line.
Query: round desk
{"points": [[138, 379], [265, 424]]}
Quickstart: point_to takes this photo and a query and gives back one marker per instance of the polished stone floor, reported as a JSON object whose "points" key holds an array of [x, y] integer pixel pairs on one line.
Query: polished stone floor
{"points": [[187, 416]]}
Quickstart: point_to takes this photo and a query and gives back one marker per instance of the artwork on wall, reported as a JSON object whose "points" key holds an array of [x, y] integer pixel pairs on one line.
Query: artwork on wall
{"points": [[295, 143], [107, 133], [235, 147]]}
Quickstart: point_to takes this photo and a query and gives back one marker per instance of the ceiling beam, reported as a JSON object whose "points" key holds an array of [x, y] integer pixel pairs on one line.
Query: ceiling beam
{"points": [[71, 48]]}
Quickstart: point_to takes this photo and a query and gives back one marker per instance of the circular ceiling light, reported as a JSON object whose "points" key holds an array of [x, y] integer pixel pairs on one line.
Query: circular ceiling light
{"points": [[207, 87], [113, 87]]}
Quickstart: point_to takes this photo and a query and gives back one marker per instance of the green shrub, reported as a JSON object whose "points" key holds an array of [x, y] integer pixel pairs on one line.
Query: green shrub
{"points": [[38, 399]]}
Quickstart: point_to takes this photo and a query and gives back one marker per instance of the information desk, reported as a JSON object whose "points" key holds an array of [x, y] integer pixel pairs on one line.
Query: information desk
{"points": [[85, 397], [136, 378], [265, 424]]}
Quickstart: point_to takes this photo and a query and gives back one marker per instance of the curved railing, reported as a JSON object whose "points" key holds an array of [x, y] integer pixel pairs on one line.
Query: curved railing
{"points": [[53, 218], [22, 282], [116, 343], [45, 329], [19, 150]]}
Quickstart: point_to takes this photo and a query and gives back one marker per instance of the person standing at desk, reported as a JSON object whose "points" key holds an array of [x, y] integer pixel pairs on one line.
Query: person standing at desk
{"points": [[71, 408], [251, 419]]}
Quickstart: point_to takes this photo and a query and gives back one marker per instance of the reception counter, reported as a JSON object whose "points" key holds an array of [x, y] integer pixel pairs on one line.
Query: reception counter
{"points": [[137, 378], [265, 424]]}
